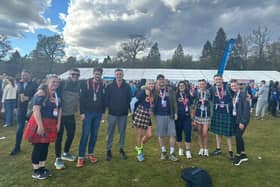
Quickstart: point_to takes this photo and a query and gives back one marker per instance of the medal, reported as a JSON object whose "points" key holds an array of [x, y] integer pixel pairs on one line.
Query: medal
{"points": [[202, 107], [222, 104], [94, 97], [55, 112]]}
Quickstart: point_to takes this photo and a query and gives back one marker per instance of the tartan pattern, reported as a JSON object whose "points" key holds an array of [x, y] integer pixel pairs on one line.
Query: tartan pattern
{"points": [[222, 124], [50, 127], [202, 120], [142, 117]]}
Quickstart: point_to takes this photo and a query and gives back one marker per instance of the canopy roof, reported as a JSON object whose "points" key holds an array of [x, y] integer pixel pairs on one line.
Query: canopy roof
{"points": [[181, 74]]}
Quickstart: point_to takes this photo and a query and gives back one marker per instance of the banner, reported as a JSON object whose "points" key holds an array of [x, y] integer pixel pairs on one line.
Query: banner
{"points": [[226, 57]]}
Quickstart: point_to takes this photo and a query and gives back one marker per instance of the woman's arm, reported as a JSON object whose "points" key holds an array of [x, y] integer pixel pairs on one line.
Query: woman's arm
{"points": [[38, 118]]}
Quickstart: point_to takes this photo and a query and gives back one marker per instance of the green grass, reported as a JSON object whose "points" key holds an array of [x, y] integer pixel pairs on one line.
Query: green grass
{"points": [[261, 137]]}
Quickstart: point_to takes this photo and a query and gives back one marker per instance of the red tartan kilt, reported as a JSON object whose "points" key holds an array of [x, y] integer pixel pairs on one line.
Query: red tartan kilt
{"points": [[50, 127]]}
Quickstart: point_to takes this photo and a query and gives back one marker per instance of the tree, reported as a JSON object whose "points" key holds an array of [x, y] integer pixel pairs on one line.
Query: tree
{"points": [[206, 58], [15, 58], [153, 58], [219, 45], [236, 61], [4, 46], [50, 48], [130, 49], [178, 57], [274, 54], [259, 39]]}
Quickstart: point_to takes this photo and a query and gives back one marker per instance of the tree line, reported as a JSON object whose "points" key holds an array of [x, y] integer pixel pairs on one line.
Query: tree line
{"points": [[255, 51]]}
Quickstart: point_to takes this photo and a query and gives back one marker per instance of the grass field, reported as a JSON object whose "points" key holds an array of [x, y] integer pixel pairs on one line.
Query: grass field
{"points": [[262, 140]]}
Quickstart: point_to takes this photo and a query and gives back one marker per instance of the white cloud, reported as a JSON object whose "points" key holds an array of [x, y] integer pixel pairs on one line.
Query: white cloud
{"points": [[96, 28], [17, 17]]}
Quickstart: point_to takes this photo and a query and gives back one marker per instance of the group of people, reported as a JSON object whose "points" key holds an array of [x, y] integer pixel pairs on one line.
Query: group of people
{"points": [[222, 108]]}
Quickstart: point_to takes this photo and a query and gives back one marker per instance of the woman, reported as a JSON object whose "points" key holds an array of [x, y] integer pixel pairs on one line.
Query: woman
{"points": [[202, 116], [241, 118], [184, 122], [43, 125], [9, 100], [142, 118]]}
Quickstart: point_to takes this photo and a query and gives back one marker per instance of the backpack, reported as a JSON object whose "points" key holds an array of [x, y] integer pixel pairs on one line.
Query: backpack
{"points": [[196, 177]]}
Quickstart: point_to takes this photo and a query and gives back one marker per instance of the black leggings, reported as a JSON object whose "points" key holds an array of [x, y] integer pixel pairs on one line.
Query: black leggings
{"points": [[69, 123], [40, 152], [240, 147]]}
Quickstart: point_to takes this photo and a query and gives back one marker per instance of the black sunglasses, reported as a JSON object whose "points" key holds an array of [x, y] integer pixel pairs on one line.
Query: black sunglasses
{"points": [[75, 74]]}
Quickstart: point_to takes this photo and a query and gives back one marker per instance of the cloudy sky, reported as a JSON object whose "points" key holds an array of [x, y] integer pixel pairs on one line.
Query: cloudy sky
{"points": [[95, 28]]}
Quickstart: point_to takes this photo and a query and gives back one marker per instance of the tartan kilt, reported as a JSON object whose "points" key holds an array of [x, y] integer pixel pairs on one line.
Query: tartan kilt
{"points": [[222, 124], [142, 117], [50, 127], [202, 120]]}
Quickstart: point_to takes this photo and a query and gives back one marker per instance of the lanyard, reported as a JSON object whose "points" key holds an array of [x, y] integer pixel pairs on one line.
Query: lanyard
{"points": [[202, 96], [220, 96], [162, 94], [235, 101], [93, 87], [56, 99], [184, 99]]}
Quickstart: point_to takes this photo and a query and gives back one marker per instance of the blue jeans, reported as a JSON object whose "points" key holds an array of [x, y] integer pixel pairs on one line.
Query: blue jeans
{"points": [[10, 106], [91, 125], [21, 118]]}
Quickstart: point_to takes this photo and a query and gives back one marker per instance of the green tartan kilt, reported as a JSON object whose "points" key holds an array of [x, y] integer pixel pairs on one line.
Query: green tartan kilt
{"points": [[222, 124]]}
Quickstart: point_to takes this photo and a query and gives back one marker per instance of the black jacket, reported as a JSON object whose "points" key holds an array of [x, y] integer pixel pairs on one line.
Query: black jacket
{"points": [[28, 91], [87, 103], [242, 109], [118, 99]]}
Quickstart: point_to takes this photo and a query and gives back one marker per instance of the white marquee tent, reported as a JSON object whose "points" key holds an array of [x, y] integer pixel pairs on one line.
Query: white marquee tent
{"points": [[181, 74]]}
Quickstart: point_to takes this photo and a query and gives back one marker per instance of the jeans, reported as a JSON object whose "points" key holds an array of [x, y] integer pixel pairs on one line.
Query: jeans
{"points": [[21, 118], [67, 122], [10, 106], [91, 125], [112, 122], [240, 147]]}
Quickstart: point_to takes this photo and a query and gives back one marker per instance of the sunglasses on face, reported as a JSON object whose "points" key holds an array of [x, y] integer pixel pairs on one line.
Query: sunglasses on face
{"points": [[75, 74]]}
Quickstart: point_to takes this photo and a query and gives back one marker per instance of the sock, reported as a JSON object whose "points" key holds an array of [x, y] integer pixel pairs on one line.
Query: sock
{"points": [[139, 150], [171, 150], [163, 149]]}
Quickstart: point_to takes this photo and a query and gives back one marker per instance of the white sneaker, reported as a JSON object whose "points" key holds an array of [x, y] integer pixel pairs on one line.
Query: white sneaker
{"points": [[188, 154], [181, 152], [206, 153], [201, 152]]}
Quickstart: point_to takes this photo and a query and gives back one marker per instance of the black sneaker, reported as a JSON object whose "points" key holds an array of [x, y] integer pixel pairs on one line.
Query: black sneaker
{"points": [[216, 152], [230, 155], [236, 161], [46, 171], [122, 154], [243, 158], [15, 151], [39, 175], [109, 155]]}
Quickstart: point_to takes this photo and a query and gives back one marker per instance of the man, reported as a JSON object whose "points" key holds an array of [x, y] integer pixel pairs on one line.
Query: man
{"points": [[165, 111], [118, 96], [262, 99], [69, 90], [241, 118], [221, 122], [26, 90], [92, 106]]}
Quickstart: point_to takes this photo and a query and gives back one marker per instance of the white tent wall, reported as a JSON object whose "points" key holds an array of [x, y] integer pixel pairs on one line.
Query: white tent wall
{"points": [[182, 74]]}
